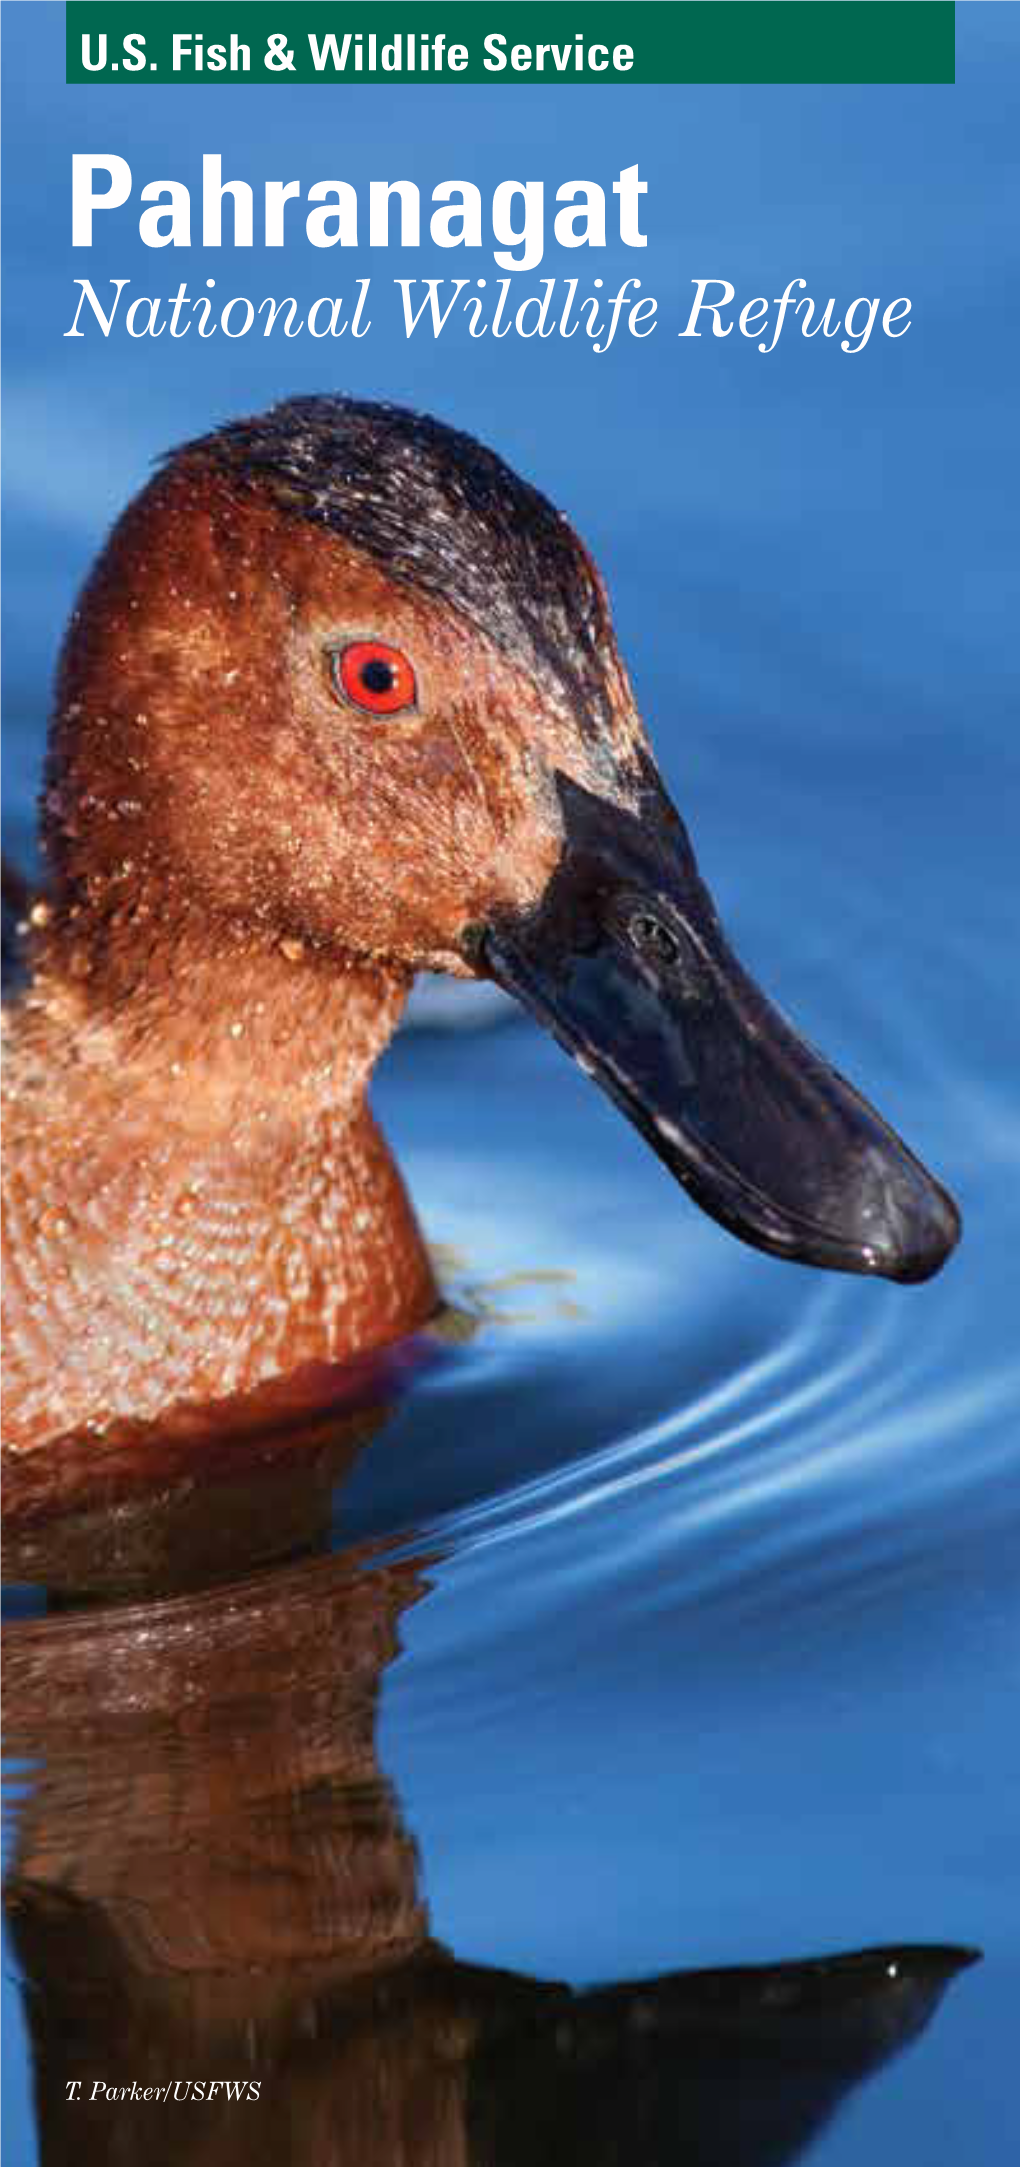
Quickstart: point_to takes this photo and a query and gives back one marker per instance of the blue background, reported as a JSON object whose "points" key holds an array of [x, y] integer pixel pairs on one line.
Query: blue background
{"points": [[759, 1610]]}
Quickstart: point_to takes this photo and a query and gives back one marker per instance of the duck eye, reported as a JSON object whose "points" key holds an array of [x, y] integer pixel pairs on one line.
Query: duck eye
{"points": [[373, 676]]}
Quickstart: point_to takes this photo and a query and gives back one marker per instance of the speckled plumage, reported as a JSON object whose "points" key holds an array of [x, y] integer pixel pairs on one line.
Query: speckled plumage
{"points": [[245, 877]]}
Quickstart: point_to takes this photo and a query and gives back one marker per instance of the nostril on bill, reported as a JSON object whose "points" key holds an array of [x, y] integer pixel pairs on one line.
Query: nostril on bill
{"points": [[653, 938], [669, 953]]}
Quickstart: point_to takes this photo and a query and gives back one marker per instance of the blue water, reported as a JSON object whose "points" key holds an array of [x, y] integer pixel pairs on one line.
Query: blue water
{"points": [[712, 1653]]}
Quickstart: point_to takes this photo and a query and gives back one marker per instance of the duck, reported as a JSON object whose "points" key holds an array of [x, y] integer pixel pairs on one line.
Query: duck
{"points": [[341, 702]]}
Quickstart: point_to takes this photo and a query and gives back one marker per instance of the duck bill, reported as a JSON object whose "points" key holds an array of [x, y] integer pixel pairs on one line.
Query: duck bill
{"points": [[624, 961]]}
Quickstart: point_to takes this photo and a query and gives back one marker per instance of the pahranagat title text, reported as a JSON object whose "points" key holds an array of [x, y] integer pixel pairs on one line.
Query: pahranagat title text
{"points": [[512, 222]]}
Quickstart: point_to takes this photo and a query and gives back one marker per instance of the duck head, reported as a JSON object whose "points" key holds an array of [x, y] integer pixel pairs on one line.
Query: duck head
{"points": [[343, 681]]}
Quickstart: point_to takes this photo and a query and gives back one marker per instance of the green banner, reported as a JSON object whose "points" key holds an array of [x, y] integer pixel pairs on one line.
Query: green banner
{"points": [[513, 41]]}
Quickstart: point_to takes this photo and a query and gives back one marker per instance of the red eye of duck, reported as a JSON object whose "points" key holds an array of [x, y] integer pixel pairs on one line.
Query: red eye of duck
{"points": [[373, 676]]}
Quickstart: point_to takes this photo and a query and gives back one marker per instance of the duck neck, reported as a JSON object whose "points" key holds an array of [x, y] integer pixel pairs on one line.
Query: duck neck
{"points": [[198, 1130], [242, 1028]]}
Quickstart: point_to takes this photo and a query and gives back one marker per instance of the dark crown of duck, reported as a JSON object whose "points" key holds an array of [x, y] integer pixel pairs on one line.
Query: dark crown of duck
{"points": [[443, 514]]}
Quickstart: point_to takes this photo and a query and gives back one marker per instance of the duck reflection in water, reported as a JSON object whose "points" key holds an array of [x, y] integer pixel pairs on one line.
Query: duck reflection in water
{"points": [[211, 1878]]}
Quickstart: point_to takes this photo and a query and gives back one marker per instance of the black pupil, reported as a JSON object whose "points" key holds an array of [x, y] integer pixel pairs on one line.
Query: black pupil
{"points": [[378, 676]]}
